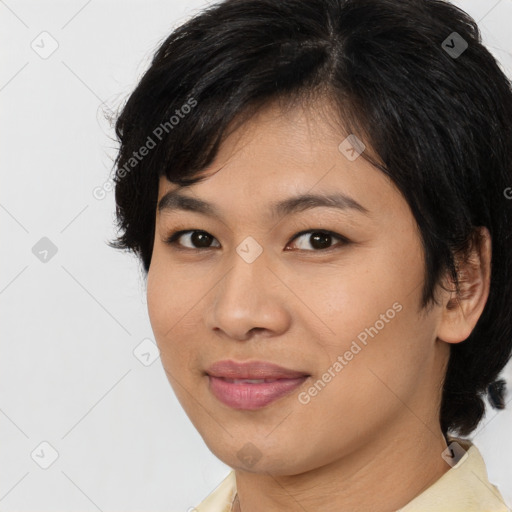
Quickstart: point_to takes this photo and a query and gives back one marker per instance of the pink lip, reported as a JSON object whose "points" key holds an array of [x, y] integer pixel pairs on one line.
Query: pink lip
{"points": [[246, 395], [252, 370]]}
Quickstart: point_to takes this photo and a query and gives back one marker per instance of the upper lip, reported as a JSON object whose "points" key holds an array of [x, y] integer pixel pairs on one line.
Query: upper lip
{"points": [[252, 370]]}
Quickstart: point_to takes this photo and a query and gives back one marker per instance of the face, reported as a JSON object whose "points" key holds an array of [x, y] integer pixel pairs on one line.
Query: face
{"points": [[330, 291]]}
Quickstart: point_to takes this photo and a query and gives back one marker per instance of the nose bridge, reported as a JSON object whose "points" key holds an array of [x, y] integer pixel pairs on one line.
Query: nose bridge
{"points": [[243, 300], [248, 271]]}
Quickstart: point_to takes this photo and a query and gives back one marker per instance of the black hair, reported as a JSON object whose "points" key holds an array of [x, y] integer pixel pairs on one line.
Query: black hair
{"points": [[412, 80]]}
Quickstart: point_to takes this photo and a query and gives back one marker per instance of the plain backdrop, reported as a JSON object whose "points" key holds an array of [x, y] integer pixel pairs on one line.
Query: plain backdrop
{"points": [[86, 422]]}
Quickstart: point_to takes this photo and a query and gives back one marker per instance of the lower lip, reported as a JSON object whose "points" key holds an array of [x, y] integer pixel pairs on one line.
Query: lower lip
{"points": [[252, 396]]}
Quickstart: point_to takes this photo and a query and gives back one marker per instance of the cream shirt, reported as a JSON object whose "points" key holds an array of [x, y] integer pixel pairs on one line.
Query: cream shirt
{"points": [[463, 488]]}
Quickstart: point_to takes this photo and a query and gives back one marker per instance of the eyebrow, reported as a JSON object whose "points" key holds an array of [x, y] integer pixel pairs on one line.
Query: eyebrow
{"points": [[173, 201]]}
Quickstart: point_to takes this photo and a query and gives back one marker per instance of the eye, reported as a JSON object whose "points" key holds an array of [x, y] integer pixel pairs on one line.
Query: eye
{"points": [[201, 239], [320, 240]]}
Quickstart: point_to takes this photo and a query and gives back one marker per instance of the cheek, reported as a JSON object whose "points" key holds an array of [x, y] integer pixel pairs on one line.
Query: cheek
{"points": [[372, 311], [365, 384], [174, 301], [169, 293], [168, 318], [164, 309], [157, 299], [357, 302]]}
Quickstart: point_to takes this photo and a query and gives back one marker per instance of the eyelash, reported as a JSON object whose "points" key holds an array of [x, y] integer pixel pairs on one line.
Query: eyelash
{"points": [[173, 238]]}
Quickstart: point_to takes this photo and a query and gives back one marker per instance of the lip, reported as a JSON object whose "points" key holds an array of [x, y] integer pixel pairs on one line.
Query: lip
{"points": [[252, 370], [224, 384]]}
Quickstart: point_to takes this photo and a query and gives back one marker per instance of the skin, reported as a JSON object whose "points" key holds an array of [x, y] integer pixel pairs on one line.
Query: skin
{"points": [[377, 422]]}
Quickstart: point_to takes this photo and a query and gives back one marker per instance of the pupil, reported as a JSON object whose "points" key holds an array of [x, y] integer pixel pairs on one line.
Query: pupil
{"points": [[201, 239], [323, 240]]}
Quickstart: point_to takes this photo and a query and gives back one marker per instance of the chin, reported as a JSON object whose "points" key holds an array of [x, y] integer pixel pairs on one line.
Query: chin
{"points": [[262, 457]]}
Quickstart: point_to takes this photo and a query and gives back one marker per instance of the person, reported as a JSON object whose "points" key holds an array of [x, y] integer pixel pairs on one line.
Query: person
{"points": [[317, 192]]}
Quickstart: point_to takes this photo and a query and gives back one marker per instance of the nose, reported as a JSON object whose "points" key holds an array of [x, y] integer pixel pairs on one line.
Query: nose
{"points": [[248, 300]]}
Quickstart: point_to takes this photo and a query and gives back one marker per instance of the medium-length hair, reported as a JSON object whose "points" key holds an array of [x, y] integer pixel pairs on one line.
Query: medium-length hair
{"points": [[412, 80]]}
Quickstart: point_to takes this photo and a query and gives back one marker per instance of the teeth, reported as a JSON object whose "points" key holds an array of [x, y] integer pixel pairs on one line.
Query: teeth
{"points": [[250, 381]]}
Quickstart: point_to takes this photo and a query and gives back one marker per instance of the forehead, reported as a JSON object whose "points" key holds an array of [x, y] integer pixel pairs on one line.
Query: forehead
{"points": [[285, 162]]}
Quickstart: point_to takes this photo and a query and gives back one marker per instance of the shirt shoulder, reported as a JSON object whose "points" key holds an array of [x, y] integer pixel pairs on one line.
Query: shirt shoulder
{"points": [[464, 488]]}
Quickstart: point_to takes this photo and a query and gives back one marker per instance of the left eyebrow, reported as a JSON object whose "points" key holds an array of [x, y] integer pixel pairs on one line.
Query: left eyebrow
{"points": [[309, 201], [173, 200]]}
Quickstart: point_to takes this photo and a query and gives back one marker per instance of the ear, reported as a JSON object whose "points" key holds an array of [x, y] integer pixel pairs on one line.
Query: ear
{"points": [[461, 312]]}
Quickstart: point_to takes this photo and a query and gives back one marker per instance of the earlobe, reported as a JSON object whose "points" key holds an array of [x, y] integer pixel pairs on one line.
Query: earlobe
{"points": [[461, 311]]}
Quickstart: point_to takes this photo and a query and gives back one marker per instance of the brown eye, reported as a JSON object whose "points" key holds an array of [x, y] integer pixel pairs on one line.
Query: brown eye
{"points": [[196, 239], [318, 240]]}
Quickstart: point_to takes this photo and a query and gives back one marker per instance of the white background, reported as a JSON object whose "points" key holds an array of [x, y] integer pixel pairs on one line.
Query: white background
{"points": [[69, 326]]}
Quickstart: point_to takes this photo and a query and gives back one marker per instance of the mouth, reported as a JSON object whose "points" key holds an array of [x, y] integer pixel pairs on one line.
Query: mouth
{"points": [[252, 370], [247, 381], [252, 385]]}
